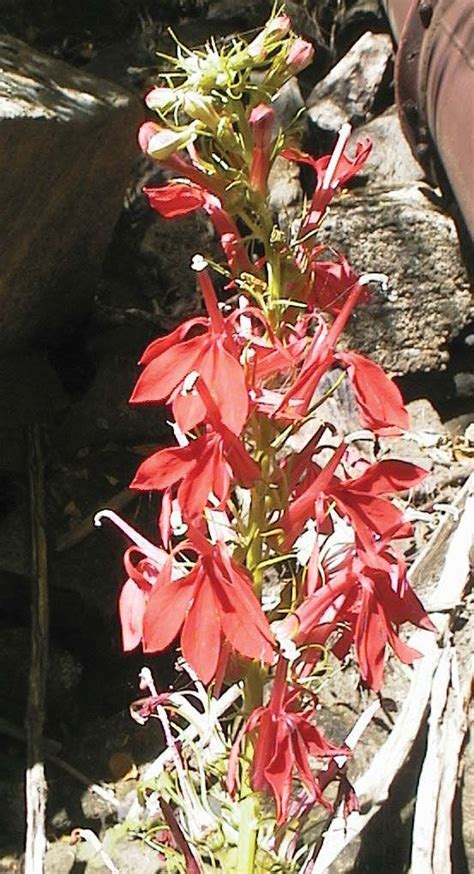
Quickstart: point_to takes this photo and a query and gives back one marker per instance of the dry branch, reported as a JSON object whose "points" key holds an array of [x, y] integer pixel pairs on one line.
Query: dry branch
{"points": [[36, 786]]}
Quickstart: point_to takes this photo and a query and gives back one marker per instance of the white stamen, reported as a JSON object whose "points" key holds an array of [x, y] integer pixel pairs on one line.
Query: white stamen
{"points": [[198, 263], [366, 278], [189, 382], [344, 135], [181, 438], [158, 555]]}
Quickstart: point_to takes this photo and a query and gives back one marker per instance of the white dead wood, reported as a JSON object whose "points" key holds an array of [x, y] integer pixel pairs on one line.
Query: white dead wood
{"points": [[448, 723], [36, 787], [374, 786]]}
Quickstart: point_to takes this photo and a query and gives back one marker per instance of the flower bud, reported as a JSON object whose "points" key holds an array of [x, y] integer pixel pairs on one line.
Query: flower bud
{"points": [[269, 37], [145, 133], [163, 143], [299, 56], [261, 123], [160, 99], [200, 108]]}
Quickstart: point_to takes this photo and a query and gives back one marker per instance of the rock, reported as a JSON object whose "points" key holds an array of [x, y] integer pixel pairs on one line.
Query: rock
{"points": [[423, 417], [402, 234], [66, 146], [350, 89], [59, 858], [390, 161], [104, 414], [285, 193]]}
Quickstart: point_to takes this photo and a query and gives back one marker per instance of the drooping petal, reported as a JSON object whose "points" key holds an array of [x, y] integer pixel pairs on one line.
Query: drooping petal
{"points": [[201, 637], [165, 467], [165, 613], [132, 603], [379, 400]]}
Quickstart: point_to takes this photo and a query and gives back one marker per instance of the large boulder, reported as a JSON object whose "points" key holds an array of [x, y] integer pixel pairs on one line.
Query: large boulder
{"points": [[67, 142], [402, 233]]}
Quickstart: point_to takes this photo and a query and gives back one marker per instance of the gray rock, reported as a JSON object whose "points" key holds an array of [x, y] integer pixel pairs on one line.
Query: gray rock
{"points": [[402, 234], [390, 161], [348, 92], [66, 147], [59, 858], [104, 413]]}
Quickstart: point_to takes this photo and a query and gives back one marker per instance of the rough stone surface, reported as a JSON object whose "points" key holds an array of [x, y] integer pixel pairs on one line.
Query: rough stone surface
{"points": [[402, 234], [66, 146], [390, 161], [348, 92]]}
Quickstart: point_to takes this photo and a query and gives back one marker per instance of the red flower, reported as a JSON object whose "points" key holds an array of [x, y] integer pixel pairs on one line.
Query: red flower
{"points": [[212, 604], [332, 171], [213, 355], [364, 604], [360, 499], [379, 400], [332, 281], [178, 199], [285, 741], [206, 465]]}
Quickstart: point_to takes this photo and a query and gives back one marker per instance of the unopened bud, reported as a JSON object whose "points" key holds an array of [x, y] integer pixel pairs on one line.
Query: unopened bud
{"points": [[165, 143], [160, 99], [200, 108], [270, 36], [299, 56]]}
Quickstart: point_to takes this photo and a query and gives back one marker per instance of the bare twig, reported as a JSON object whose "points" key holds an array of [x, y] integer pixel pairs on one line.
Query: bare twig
{"points": [[36, 786], [432, 827]]}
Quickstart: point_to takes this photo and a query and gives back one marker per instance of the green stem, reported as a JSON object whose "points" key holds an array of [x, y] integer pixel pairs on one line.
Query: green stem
{"points": [[247, 845]]}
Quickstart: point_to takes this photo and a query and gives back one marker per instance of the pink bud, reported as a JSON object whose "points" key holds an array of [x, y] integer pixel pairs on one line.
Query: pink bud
{"points": [[268, 38], [261, 122], [161, 99], [299, 56], [145, 133]]}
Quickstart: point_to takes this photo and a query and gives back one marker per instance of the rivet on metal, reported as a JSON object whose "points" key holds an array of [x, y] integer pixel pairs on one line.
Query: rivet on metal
{"points": [[425, 11]]}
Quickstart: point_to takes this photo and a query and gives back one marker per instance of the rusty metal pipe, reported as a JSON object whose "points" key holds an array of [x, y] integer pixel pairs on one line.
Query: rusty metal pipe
{"points": [[434, 79]]}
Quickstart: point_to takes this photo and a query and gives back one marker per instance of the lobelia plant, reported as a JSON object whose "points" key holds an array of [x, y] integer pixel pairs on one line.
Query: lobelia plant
{"points": [[234, 790]]}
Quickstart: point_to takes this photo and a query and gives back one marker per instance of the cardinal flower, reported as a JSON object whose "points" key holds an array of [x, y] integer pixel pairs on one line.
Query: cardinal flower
{"points": [[205, 466], [379, 400], [210, 605], [360, 604], [178, 199], [332, 171], [359, 499], [212, 354], [141, 577], [286, 738]]}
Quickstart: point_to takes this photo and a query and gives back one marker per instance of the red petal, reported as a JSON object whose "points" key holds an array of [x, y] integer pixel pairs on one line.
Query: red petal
{"points": [[201, 636], [166, 611], [176, 199], [386, 477], [166, 467], [166, 371], [380, 402], [132, 602], [177, 336]]}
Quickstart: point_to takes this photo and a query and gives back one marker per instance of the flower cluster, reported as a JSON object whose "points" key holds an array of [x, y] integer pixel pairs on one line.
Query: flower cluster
{"points": [[240, 383]]}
